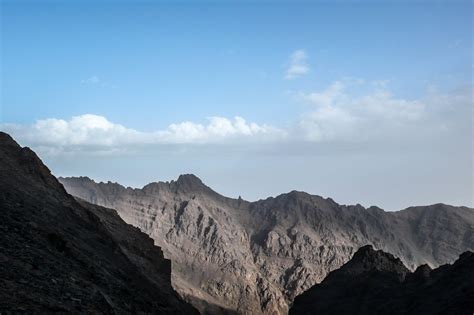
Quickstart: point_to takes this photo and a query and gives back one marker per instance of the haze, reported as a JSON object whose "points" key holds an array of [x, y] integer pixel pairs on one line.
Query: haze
{"points": [[362, 102]]}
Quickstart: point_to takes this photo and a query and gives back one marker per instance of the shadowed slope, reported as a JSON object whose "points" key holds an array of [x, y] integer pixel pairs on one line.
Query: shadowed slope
{"points": [[60, 255], [375, 282]]}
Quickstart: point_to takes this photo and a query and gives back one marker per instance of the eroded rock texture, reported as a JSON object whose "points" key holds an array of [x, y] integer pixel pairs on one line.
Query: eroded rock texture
{"points": [[230, 255]]}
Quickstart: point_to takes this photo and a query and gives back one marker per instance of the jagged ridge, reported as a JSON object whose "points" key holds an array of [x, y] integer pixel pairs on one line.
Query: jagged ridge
{"points": [[255, 257]]}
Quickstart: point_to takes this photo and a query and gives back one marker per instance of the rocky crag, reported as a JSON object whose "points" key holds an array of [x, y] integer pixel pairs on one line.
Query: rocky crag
{"points": [[375, 282], [61, 255], [234, 256]]}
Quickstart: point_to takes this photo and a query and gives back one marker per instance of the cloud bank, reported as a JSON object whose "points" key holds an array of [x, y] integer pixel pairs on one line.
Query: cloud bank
{"points": [[335, 114], [98, 133]]}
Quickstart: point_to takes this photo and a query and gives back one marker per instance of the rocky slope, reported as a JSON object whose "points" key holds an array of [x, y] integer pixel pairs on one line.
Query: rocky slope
{"points": [[230, 255], [59, 255], [375, 282]]}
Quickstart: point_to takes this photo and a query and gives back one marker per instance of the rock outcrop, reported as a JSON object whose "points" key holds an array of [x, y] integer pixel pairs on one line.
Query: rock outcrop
{"points": [[234, 256], [61, 255], [375, 282]]}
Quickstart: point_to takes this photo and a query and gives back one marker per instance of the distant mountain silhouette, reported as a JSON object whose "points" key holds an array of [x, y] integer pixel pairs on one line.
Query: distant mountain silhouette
{"points": [[375, 282], [61, 255], [231, 255]]}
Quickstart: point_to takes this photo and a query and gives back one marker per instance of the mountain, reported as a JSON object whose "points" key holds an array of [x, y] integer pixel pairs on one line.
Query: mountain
{"points": [[375, 282], [234, 256], [61, 255]]}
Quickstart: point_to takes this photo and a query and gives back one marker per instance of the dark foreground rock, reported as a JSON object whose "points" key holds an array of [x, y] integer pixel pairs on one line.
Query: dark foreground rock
{"points": [[374, 282], [58, 254]]}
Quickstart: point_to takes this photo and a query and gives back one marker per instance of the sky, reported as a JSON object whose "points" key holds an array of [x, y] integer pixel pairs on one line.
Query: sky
{"points": [[365, 102]]}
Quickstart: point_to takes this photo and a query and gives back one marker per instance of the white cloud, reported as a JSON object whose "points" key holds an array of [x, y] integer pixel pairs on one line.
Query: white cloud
{"points": [[217, 130], [96, 81], [298, 65], [98, 133], [325, 97], [337, 114], [91, 80]]}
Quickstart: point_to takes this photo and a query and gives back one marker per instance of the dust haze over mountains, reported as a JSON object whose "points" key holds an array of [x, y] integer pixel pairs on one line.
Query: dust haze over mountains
{"points": [[228, 256], [390, 169]]}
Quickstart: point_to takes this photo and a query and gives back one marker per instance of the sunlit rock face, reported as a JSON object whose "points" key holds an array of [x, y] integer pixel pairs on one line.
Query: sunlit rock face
{"points": [[234, 256]]}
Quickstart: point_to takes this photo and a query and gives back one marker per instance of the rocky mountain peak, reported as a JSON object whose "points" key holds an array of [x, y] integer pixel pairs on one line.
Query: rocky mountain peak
{"points": [[7, 140], [22, 160], [190, 183], [465, 257], [189, 179], [448, 289], [422, 272], [366, 259], [83, 179]]}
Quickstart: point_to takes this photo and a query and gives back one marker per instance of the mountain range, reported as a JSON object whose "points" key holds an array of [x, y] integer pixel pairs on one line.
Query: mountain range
{"points": [[231, 256], [296, 252]]}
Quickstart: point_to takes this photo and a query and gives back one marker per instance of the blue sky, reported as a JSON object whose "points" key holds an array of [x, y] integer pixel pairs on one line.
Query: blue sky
{"points": [[370, 77]]}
